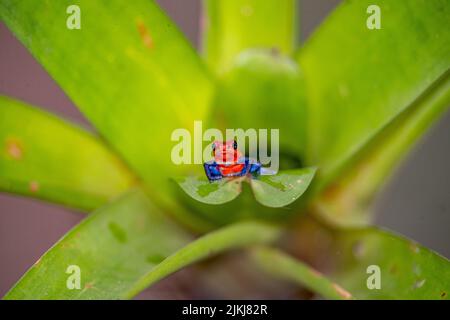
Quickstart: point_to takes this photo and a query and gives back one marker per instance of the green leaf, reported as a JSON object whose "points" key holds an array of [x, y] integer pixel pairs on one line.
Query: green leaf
{"points": [[407, 270], [114, 247], [44, 157], [359, 80], [346, 201], [129, 70], [242, 208], [273, 191], [232, 26], [124, 247], [216, 192], [280, 265], [283, 188], [234, 236], [264, 90]]}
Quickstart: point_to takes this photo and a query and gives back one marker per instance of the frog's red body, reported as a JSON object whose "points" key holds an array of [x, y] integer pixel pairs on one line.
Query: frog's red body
{"points": [[229, 162], [231, 169]]}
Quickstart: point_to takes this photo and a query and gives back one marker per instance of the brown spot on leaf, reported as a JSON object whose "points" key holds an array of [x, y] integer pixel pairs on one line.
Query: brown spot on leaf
{"points": [[67, 245], [393, 269], [89, 285], [316, 273], [342, 292], [145, 35], [14, 148], [34, 186], [275, 51], [414, 247], [443, 295]]}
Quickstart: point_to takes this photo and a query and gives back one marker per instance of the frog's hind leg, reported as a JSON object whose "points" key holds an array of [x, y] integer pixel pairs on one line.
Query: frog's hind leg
{"points": [[212, 171]]}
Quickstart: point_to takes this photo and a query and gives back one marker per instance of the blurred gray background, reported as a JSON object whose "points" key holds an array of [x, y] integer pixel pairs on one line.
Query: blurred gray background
{"points": [[415, 203]]}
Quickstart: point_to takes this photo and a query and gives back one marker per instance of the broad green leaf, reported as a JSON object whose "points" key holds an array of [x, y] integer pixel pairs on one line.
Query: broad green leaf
{"points": [[359, 80], [216, 192], [44, 157], [242, 208], [123, 248], [264, 90], [114, 247], [280, 265], [274, 191], [283, 188], [407, 270], [346, 201], [129, 70], [231, 26]]}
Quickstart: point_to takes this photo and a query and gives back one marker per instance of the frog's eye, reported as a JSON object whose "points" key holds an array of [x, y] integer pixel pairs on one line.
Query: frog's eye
{"points": [[235, 145]]}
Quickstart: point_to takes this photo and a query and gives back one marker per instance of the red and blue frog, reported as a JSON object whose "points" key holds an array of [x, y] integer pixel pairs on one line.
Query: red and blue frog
{"points": [[229, 162]]}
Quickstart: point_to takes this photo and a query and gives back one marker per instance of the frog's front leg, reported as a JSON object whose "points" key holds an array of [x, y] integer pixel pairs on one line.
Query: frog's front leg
{"points": [[250, 167], [255, 169]]}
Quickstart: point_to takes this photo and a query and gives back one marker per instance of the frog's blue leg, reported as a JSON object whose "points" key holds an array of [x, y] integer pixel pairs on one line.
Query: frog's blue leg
{"points": [[251, 167], [212, 171], [255, 169]]}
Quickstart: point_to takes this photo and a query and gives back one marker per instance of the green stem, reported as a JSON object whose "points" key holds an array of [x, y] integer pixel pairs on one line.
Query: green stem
{"points": [[231, 237]]}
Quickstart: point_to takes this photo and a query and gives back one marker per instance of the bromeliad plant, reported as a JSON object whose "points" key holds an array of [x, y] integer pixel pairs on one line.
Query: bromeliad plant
{"points": [[350, 101]]}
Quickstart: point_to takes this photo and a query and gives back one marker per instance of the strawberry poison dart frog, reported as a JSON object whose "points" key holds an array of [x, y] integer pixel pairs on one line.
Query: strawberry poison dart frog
{"points": [[229, 162]]}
